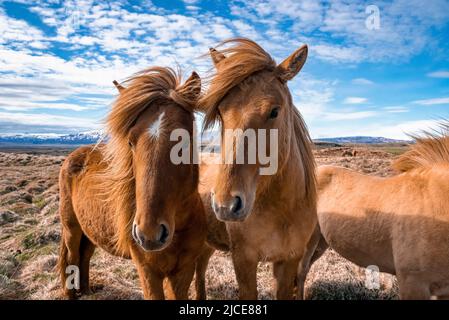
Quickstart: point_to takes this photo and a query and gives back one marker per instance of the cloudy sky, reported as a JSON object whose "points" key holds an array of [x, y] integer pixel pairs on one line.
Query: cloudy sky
{"points": [[58, 58]]}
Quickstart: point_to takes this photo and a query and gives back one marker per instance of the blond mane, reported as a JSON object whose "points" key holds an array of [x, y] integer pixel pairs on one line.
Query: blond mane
{"points": [[141, 92], [305, 143], [243, 58], [429, 149]]}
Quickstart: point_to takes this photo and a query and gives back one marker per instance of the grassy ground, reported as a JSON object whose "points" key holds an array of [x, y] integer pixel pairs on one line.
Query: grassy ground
{"points": [[30, 232]]}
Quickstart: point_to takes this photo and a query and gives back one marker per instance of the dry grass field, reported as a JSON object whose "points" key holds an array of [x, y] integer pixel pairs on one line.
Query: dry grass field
{"points": [[30, 232]]}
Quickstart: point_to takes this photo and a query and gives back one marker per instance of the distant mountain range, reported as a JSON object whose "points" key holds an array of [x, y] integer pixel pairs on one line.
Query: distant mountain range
{"points": [[51, 138], [361, 140], [94, 136]]}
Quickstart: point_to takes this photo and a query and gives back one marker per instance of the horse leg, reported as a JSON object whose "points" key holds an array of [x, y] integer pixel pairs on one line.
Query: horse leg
{"points": [[245, 267], [315, 249], [200, 271], [152, 282], [87, 249], [179, 283], [70, 257], [412, 286], [62, 265], [284, 273]]}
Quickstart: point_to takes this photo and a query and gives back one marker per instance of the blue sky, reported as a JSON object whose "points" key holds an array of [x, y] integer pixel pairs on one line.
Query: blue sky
{"points": [[58, 58]]}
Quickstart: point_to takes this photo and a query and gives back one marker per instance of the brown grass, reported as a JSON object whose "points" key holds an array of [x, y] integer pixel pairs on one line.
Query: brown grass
{"points": [[29, 234]]}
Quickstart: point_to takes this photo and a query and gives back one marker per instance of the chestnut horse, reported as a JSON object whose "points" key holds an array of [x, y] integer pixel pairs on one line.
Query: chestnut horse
{"points": [[127, 196], [260, 217], [399, 224]]}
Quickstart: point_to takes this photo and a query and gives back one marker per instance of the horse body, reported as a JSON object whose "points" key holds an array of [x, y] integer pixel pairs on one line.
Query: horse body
{"points": [[116, 196], [91, 207], [276, 214], [399, 224]]}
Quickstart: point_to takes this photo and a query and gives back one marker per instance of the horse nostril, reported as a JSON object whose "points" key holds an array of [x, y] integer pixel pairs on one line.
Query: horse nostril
{"points": [[163, 235], [237, 205], [139, 237]]}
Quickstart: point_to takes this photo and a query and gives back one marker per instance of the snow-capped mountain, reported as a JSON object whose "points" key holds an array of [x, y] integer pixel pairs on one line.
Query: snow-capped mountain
{"points": [[87, 137], [361, 139], [90, 137]]}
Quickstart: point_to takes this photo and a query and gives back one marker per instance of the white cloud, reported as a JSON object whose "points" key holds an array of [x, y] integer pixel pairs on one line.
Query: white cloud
{"points": [[245, 30], [22, 106], [307, 14], [312, 96], [431, 102], [406, 26], [362, 81], [222, 31], [334, 53], [24, 93], [403, 129], [399, 130], [313, 99], [104, 52], [44, 119], [117, 42], [355, 100], [339, 116], [193, 8], [13, 30], [439, 74], [396, 109]]}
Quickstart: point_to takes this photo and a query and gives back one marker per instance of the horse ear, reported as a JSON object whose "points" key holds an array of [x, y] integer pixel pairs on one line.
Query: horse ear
{"points": [[191, 89], [290, 67], [216, 56], [119, 87]]}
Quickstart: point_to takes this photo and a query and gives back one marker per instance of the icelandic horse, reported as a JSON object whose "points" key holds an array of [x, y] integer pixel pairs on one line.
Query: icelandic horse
{"points": [[257, 217], [399, 224], [127, 197]]}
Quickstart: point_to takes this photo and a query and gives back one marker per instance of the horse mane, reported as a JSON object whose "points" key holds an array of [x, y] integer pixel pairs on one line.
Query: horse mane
{"points": [[142, 91], [430, 148], [243, 58], [305, 143]]}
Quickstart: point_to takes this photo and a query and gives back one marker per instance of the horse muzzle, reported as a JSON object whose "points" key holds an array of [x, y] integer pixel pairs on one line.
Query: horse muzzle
{"points": [[232, 210], [159, 242]]}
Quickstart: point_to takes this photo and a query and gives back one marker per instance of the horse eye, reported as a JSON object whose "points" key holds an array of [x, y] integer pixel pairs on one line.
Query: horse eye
{"points": [[274, 113], [130, 144]]}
